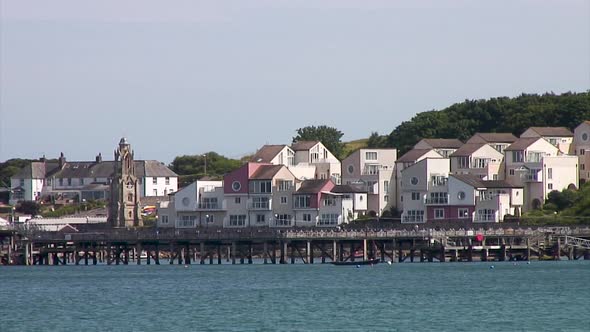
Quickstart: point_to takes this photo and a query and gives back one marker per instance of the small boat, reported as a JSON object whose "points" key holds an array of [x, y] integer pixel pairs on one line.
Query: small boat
{"points": [[367, 262]]}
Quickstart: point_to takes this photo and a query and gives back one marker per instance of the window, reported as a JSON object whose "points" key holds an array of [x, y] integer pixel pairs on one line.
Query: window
{"points": [[130, 197], [155, 192], [237, 220], [438, 198], [534, 157], [260, 218], [550, 186], [415, 196], [209, 218], [414, 181], [49, 181], [439, 214], [260, 203], [486, 215], [371, 169], [414, 216], [517, 156], [237, 200], [284, 185], [306, 217], [167, 181], [499, 147], [209, 203], [69, 181], [236, 186], [371, 187], [81, 181], [584, 137], [463, 213], [302, 201], [329, 201], [485, 195], [261, 187], [187, 221], [495, 177], [386, 198], [549, 173], [328, 219], [511, 172], [583, 167], [439, 180], [315, 157], [480, 162], [283, 219], [283, 199], [386, 187], [22, 182], [461, 195], [582, 151], [61, 182], [164, 219], [371, 155], [463, 162], [154, 180], [350, 169]]}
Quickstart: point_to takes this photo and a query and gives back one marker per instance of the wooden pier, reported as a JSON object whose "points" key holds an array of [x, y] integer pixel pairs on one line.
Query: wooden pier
{"points": [[309, 246]]}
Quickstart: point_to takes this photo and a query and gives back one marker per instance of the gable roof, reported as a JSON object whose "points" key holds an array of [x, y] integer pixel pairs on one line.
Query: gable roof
{"points": [[312, 186], [266, 172], [522, 143], [552, 131], [90, 169], [443, 143], [267, 153], [496, 137], [152, 168], [413, 155], [467, 149], [36, 170], [303, 145]]}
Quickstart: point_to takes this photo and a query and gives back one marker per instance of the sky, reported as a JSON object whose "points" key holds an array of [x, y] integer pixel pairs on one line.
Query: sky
{"points": [[183, 77]]}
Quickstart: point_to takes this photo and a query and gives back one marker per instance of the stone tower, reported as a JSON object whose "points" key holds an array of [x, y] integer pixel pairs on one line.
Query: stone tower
{"points": [[124, 209]]}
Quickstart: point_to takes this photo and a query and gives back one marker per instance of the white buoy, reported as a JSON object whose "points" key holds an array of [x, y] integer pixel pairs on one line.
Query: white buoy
{"points": [[389, 262]]}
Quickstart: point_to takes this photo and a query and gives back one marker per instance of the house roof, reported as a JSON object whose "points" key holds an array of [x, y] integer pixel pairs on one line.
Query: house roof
{"points": [[267, 153], [552, 131], [347, 188], [476, 182], [312, 186], [467, 149], [90, 169], [522, 143], [303, 145], [497, 137], [266, 172], [443, 143], [413, 155]]}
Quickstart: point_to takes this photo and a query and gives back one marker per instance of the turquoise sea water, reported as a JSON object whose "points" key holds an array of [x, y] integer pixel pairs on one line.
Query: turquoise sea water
{"points": [[542, 296]]}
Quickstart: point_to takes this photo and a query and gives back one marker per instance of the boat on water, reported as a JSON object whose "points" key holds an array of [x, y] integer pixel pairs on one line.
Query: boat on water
{"points": [[364, 262]]}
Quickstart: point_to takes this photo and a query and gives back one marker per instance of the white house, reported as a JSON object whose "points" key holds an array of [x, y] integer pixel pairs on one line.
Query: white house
{"points": [[479, 159], [581, 148], [561, 137], [498, 141], [408, 159], [375, 170]]}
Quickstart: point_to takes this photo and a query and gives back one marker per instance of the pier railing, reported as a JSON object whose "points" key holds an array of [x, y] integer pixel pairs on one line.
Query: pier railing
{"points": [[253, 234]]}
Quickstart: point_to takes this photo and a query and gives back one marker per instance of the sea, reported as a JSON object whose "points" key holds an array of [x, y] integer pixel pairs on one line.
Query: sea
{"points": [[492, 296]]}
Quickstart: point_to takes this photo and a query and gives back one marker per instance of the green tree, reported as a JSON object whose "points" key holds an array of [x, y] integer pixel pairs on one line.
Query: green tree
{"points": [[29, 207], [329, 136], [192, 167], [561, 200], [375, 141]]}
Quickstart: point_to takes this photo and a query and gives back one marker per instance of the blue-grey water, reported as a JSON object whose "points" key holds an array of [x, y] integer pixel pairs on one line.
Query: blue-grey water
{"points": [[541, 296]]}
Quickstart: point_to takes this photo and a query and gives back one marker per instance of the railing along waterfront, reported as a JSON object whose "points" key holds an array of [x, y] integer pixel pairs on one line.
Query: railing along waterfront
{"points": [[248, 234]]}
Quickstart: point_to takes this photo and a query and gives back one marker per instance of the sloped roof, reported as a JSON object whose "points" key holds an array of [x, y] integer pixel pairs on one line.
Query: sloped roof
{"points": [[303, 145], [476, 182], [522, 143], [347, 188], [154, 168], [36, 170], [413, 155], [443, 143], [497, 137], [467, 149], [312, 186], [90, 169], [267, 153], [552, 131], [266, 172]]}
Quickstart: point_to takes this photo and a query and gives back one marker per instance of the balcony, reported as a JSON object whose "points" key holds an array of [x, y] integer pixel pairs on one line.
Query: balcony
{"points": [[413, 219], [259, 206], [209, 206]]}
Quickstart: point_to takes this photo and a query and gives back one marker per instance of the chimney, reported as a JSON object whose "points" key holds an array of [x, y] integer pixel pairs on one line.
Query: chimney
{"points": [[42, 159], [62, 160], [99, 158]]}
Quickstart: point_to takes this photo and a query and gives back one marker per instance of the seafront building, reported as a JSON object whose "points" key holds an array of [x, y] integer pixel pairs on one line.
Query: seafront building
{"points": [[491, 177], [65, 181]]}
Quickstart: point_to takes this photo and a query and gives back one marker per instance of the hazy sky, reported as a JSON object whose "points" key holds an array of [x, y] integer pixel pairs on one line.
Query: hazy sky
{"points": [[186, 77]]}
